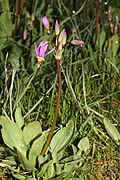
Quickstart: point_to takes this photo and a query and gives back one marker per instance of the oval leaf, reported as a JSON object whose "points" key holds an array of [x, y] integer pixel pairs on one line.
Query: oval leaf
{"points": [[112, 130], [62, 137], [12, 135], [31, 131], [84, 145]]}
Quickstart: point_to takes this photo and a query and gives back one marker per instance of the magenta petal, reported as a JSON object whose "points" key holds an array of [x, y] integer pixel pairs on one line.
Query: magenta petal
{"points": [[50, 51], [44, 48], [41, 49], [35, 45], [56, 23], [45, 45], [42, 43]]}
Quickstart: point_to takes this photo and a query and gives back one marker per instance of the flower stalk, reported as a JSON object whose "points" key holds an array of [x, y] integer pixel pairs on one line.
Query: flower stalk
{"points": [[56, 110]]}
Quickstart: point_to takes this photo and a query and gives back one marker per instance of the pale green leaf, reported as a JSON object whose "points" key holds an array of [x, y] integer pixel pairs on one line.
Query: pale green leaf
{"points": [[18, 176], [12, 135], [51, 171], [5, 5], [5, 19], [71, 159], [112, 130], [18, 117], [62, 137], [84, 145], [15, 54], [36, 148], [68, 169], [31, 179], [27, 165], [113, 47], [44, 169], [6, 23], [3, 38], [102, 39], [115, 44], [31, 131], [42, 159]]}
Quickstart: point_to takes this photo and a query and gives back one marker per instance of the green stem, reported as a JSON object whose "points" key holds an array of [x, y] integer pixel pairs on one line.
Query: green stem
{"points": [[56, 110]]}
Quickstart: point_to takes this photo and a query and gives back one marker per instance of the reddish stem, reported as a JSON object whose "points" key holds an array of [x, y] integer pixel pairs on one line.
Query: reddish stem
{"points": [[19, 6], [56, 110]]}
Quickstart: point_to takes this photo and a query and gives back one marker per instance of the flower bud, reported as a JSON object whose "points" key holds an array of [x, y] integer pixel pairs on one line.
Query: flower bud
{"points": [[58, 54], [61, 37], [77, 42], [64, 38], [25, 35], [57, 28]]}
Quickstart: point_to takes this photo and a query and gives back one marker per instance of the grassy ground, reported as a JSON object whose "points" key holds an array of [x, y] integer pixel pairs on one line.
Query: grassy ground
{"points": [[90, 90]]}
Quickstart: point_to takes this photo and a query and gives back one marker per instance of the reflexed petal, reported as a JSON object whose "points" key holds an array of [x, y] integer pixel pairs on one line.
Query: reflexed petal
{"points": [[44, 48], [77, 42], [41, 44], [50, 51], [45, 45], [41, 49], [45, 21]]}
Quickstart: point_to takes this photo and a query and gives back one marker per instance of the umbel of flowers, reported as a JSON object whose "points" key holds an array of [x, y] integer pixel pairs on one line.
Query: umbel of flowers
{"points": [[60, 43]]}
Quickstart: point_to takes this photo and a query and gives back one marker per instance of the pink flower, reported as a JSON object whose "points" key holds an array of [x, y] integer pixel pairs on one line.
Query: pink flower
{"points": [[77, 42], [40, 51], [45, 22]]}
